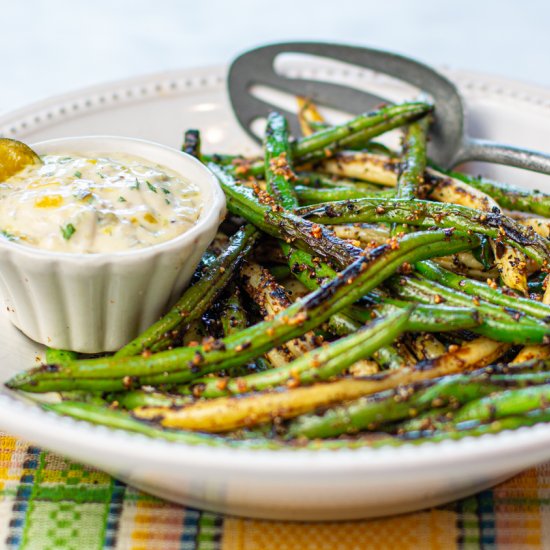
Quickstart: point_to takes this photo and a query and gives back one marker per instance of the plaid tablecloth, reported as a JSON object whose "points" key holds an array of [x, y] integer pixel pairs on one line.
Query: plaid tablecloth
{"points": [[48, 502]]}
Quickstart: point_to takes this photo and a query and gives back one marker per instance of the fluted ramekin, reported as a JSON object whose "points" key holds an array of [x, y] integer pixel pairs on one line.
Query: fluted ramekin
{"points": [[98, 302]]}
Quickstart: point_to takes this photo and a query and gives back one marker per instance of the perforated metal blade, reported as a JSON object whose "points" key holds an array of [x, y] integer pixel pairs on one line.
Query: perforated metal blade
{"points": [[256, 68]]}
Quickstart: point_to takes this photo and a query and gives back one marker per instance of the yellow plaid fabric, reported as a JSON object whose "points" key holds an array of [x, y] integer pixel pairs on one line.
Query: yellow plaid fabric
{"points": [[47, 502]]}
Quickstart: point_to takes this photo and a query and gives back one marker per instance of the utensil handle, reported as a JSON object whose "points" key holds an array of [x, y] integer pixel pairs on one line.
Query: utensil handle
{"points": [[500, 153]]}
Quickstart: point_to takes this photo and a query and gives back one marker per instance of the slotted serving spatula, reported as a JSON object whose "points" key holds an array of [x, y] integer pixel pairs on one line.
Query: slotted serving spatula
{"points": [[449, 145]]}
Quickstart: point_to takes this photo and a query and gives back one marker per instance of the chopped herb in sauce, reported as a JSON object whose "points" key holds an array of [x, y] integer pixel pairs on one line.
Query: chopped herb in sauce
{"points": [[67, 231], [8, 235], [78, 174], [121, 199], [151, 186]]}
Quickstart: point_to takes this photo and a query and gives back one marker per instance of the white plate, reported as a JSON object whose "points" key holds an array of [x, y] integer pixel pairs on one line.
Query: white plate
{"points": [[294, 485]]}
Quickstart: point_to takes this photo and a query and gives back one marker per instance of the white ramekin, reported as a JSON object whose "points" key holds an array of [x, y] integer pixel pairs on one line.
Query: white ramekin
{"points": [[99, 302]]}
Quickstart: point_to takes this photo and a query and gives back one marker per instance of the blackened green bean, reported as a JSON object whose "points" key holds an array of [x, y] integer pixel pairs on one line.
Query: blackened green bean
{"points": [[278, 162], [497, 322], [509, 196], [434, 272], [262, 210], [427, 214]]}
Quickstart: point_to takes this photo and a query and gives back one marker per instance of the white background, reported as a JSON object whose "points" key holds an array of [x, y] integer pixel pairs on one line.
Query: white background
{"points": [[52, 46]]}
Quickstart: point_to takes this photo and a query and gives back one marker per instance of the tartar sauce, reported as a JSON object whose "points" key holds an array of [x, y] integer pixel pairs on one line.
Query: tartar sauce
{"points": [[104, 203]]}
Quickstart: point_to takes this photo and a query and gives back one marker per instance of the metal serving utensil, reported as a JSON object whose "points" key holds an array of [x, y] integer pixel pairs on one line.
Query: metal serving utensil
{"points": [[449, 145]]}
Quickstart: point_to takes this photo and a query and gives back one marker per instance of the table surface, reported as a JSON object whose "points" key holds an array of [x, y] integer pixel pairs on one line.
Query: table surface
{"points": [[52, 46], [48, 502]]}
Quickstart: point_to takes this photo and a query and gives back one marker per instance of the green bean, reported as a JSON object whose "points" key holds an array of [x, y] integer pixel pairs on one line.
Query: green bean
{"points": [[358, 144], [413, 165], [197, 298], [278, 167], [425, 317], [363, 127], [196, 332], [278, 157], [122, 420], [435, 318], [430, 419], [184, 364], [276, 144], [496, 322], [341, 324], [228, 160], [261, 364], [389, 358], [536, 284], [85, 397], [428, 214], [262, 211], [319, 364], [316, 180], [141, 398], [311, 195], [472, 429], [378, 148], [433, 272], [280, 272], [389, 406], [508, 403], [59, 356], [484, 254], [233, 317], [192, 143], [509, 196]]}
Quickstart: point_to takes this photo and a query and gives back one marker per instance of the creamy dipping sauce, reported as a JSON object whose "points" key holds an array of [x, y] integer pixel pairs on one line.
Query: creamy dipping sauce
{"points": [[93, 204]]}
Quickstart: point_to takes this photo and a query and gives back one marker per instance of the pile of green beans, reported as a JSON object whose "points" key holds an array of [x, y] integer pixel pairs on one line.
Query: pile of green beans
{"points": [[205, 373]]}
